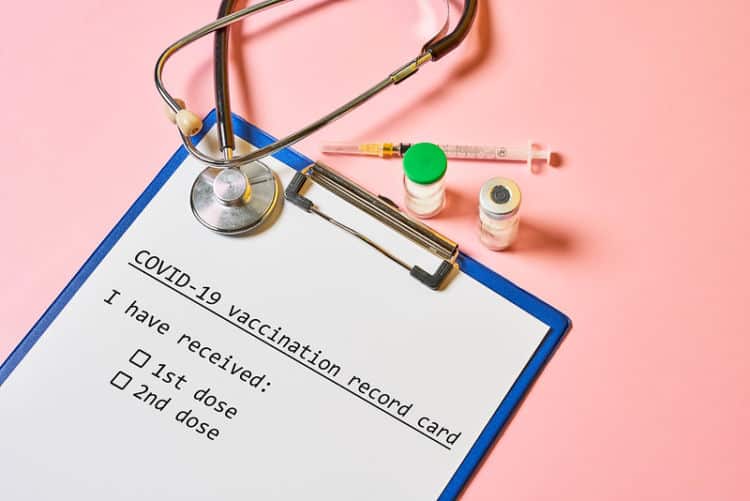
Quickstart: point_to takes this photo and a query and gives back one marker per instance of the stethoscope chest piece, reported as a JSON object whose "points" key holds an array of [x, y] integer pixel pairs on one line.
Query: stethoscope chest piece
{"points": [[235, 200]]}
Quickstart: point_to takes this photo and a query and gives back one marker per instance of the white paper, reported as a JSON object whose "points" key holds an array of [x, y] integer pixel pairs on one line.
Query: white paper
{"points": [[305, 430]]}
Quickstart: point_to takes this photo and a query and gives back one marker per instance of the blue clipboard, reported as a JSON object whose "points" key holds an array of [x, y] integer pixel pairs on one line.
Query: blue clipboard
{"points": [[558, 323]]}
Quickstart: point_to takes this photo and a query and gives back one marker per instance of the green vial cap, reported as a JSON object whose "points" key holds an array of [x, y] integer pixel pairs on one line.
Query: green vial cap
{"points": [[425, 163]]}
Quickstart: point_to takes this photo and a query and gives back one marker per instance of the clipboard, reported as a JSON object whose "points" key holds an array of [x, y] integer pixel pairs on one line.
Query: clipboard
{"points": [[557, 323]]}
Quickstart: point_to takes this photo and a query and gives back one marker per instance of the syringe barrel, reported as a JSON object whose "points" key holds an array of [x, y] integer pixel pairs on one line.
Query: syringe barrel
{"points": [[520, 154]]}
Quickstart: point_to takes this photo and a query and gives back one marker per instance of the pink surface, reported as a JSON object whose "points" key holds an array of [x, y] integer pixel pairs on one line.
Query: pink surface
{"points": [[641, 237]]}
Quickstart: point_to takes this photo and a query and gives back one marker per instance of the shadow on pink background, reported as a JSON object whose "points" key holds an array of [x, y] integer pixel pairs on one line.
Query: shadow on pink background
{"points": [[640, 236]]}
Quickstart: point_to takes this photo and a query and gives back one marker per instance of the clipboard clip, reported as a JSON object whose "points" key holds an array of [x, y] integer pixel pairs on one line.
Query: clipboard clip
{"points": [[384, 211]]}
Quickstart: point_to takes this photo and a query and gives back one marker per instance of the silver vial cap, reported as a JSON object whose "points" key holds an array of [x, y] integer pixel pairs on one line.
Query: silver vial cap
{"points": [[499, 197]]}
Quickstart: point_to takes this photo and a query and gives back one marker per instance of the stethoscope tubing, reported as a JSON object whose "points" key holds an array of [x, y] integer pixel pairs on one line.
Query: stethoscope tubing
{"points": [[432, 51], [221, 83]]}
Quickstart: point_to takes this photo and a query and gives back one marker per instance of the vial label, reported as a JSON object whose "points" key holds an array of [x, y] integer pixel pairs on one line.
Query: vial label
{"points": [[424, 200]]}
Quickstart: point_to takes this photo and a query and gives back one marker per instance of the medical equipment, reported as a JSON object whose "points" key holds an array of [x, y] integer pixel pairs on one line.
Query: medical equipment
{"points": [[499, 202], [425, 165], [236, 194], [527, 153]]}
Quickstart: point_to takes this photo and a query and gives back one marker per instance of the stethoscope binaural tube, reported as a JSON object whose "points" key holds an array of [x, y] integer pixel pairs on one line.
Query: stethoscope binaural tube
{"points": [[189, 123]]}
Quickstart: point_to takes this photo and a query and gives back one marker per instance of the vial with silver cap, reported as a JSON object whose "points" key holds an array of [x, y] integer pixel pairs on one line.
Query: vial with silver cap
{"points": [[424, 179], [499, 202]]}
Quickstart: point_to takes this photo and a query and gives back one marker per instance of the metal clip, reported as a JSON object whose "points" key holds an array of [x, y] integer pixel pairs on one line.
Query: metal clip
{"points": [[384, 212]]}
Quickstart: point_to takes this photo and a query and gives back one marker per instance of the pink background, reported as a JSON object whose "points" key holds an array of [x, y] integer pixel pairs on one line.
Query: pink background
{"points": [[641, 237]]}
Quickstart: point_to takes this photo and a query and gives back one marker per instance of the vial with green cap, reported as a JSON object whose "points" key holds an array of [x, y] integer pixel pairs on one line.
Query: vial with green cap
{"points": [[499, 202], [424, 179]]}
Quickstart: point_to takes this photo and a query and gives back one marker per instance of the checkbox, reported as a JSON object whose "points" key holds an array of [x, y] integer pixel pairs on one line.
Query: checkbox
{"points": [[121, 380], [140, 358]]}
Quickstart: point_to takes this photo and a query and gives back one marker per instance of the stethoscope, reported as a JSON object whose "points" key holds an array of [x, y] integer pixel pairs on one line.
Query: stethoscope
{"points": [[237, 194]]}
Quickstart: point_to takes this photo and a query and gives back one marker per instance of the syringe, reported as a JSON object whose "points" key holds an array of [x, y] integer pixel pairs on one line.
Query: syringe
{"points": [[527, 153]]}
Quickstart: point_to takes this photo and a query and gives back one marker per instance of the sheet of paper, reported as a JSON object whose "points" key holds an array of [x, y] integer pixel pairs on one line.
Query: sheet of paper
{"points": [[297, 363]]}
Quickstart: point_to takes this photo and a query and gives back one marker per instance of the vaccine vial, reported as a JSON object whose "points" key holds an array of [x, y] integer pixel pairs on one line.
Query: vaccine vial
{"points": [[499, 202], [424, 179]]}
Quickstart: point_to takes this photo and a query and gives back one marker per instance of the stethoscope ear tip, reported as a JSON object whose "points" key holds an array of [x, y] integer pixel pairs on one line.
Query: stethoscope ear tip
{"points": [[188, 122], [170, 113]]}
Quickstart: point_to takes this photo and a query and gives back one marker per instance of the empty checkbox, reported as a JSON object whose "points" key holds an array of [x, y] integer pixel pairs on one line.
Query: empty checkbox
{"points": [[140, 358], [121, 380]]}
